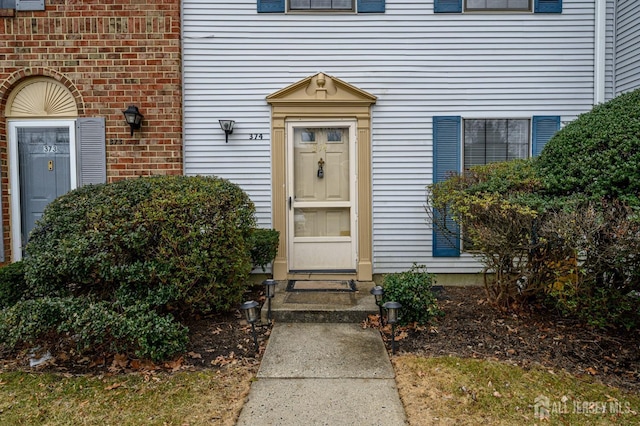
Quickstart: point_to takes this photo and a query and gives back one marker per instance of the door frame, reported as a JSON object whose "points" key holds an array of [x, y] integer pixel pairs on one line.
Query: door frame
{"points": [[353, 193], [14, 175], [322, 97]]}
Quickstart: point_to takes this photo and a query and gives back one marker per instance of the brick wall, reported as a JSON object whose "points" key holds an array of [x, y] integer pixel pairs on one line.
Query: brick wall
{"points": [[110, 54]]}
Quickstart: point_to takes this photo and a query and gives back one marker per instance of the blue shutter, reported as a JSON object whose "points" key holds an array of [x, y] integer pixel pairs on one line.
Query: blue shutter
{"points": [[544, 127], [271, 6], [371, 6], [29, 4], [447, 6], [446, 160], [91, 151], [548, 6]]}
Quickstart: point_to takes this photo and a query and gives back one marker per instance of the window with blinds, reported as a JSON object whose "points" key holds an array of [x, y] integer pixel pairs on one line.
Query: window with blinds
{"points": [[491, 140]]}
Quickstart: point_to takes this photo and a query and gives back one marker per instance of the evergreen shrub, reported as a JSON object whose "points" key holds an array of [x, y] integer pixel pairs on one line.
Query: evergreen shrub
{"points": [[160, 240], [12, 284], [413, 290]]}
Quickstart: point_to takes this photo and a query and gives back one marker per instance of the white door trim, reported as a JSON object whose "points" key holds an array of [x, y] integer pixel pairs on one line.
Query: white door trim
{"points": [[14, 175], [353, 195]]}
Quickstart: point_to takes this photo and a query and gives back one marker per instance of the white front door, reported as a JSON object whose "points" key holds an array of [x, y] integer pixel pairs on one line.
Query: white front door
{"points": [[321, 188]]}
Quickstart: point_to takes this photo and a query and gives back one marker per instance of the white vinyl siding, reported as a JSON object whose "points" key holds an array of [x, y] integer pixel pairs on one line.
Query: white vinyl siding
{"points": [[418, 63], [627, 50]]}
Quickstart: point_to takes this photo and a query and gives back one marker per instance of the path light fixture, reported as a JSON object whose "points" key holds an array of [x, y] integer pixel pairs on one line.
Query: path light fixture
{"points": [[378, 292], [133, 117], [227, 127], [250, 309], [270, 292], [392, 318]]}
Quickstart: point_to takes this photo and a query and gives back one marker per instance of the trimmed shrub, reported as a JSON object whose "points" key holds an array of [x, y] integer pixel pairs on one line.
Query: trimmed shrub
{"points": [[93, 326], [413, 290], [598, 154], [264, 247], [12, 284], [160, 240]]}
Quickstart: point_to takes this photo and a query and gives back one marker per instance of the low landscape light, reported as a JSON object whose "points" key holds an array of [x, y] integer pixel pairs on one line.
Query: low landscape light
{"points": [[392, 318], [270, 292], [378, 292], [250, 309]]}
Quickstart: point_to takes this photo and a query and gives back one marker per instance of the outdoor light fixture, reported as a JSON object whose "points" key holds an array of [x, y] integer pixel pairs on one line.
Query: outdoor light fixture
{"points": [[378, 292], [250, 309], [392, 318], [227, 126], [133, 117], [270, 292]]}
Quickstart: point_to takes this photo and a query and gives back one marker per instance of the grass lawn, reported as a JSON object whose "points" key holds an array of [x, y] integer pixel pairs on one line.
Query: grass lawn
{"points": [[185, 398], [443, 391], [449, 390]]}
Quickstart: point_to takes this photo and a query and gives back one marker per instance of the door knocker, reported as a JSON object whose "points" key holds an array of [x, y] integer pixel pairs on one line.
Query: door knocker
{"points": [[321, 168]]}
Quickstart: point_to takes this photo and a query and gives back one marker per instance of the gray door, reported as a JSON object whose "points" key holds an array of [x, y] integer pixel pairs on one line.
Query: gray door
{"points": [[45, 172]]}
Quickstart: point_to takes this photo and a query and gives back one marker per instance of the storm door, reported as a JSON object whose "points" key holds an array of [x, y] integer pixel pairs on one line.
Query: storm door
{"points": [[321, 189]]}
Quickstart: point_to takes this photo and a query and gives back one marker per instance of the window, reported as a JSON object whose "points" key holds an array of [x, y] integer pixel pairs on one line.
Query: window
{"points": [[535, 6], [488, 141], [461, 143], [321, 5], [491, 5], [358, 6]]}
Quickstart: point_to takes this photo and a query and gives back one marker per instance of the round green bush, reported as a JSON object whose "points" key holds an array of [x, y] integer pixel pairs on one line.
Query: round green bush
{"points": [[598, 154], [413, 290], [169, 241]]}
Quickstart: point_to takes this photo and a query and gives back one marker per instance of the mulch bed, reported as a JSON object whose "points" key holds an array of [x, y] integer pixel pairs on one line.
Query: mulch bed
{"points": [[469, 328]]}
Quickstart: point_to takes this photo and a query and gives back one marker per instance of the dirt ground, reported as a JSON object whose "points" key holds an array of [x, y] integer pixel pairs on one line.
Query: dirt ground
{"points": [[469, 328]]}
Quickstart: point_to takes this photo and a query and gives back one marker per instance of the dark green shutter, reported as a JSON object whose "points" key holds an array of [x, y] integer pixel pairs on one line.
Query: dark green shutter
{"points": [[548, 6], [271, 6], [370, 6], [91, 151], [447, 6], [446, 160], [544, 127]]}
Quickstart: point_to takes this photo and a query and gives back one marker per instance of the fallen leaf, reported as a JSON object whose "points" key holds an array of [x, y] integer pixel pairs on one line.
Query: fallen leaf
{"points": [[114, 386], [497, 394], [591, 371], [174, 365], [194, 355], [120, 360]]}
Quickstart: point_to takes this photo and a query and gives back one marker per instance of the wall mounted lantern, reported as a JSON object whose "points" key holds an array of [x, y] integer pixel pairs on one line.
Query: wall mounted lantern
{"points": [[250, 309], [133, 117], [227, 127], [392, 318]]}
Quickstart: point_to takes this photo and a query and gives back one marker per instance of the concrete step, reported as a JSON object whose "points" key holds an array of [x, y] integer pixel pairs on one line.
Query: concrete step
{"points": [[318, 306]]}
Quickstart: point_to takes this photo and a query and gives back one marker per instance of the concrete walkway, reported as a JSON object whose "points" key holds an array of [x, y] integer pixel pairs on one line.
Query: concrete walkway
{"points": [[323, 374]]}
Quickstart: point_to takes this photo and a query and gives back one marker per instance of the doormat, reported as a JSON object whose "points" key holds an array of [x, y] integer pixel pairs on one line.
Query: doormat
{"points": [[321, 285]]}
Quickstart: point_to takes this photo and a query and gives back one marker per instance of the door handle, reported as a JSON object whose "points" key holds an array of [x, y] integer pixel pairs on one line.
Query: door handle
{"points": [[290, 201]]}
